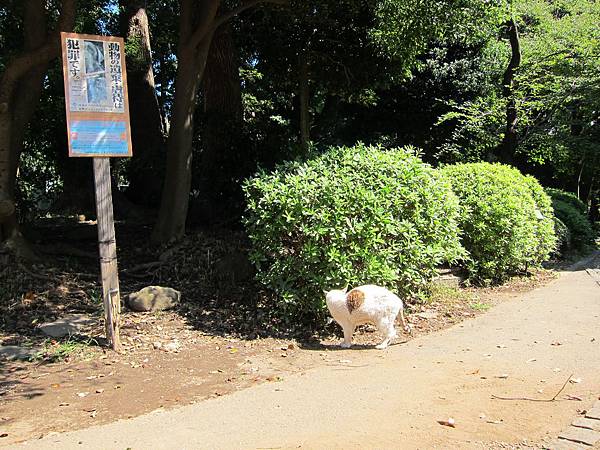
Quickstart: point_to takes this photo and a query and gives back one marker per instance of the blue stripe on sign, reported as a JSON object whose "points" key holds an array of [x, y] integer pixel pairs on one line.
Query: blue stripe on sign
{"points": [[95, 137]]}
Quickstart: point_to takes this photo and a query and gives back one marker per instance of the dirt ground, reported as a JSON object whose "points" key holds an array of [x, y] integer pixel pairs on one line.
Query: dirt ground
{"points": [[169, 361]]}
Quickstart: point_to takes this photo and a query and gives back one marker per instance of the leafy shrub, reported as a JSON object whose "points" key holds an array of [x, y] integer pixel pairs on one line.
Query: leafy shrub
{"points": [[567, 197], [545, 231], [571, 212], [506, 219], [350, 216], [563, 237]]}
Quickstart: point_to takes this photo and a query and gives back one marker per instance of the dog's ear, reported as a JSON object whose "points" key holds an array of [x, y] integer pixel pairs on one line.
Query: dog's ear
{"points": [[325, 292], [346, 289]]}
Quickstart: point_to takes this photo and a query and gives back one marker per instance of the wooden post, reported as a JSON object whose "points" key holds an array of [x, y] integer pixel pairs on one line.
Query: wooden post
{"points": [[108, 251]]}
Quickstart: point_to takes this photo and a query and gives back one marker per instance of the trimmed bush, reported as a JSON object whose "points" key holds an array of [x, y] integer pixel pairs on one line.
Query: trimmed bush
{"points": [[571, 212], [563, 237], [350, 216], [567, 197], [506, 219]]}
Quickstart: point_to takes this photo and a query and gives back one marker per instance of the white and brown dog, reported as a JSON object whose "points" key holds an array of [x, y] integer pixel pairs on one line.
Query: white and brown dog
{"points": [[366, 304]]}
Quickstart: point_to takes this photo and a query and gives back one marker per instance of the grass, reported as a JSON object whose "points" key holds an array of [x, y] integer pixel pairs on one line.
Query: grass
{"points": [[54, 351], [480, 306], [441, 293]]}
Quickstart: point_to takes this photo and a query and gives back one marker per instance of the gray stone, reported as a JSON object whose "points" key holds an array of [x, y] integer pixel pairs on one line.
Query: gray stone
{"points": [[593, 413], [561, 444], [153, 298], [580, 435], [584, 422], [172, 346], [12, 352], [70, 324], [450, 281]]}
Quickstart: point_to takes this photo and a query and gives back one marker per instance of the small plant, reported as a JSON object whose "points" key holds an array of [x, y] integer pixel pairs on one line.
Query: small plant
{"points": [[53, 350], [478, 305]]}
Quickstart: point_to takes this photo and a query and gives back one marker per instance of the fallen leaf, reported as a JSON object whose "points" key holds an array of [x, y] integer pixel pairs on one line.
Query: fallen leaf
{"points": [[502, 376], [531, 360], [496, 422], [573, 397], [501, 346], [475, 372], [448, 423], [556, 343], [99, 391], [63, 404], [82, 394], [345, 361], [3, 435], [575, 380]]}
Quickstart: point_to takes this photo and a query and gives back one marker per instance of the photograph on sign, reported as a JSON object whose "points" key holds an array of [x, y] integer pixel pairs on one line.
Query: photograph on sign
{"points": [[96, 96]]}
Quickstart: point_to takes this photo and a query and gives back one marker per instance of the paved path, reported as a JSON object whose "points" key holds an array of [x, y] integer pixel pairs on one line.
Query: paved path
{"points": [[527, 346]]}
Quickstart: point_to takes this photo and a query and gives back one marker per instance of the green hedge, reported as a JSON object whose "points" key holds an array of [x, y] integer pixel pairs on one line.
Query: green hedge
{"points": [[567, 197], [572, 213], [506, 219], [350, 216]]}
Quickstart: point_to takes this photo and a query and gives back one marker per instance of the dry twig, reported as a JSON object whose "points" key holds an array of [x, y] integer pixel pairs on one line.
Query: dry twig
{"points": [[497, 397]]}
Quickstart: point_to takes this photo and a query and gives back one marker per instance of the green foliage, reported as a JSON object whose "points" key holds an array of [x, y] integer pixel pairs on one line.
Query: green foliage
{"points": [[351, 216], [405, 27], [556, 94], [570, 211], [563, 237], [567, 197], [506, 219]]}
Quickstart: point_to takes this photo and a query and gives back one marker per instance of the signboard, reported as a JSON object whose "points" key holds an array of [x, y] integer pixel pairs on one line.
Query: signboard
{"points": [[96, 95]]}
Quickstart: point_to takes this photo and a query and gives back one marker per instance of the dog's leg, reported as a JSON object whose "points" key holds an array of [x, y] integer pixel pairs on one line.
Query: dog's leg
{"points": [[348, 332], [405, 324], [386, 327]]}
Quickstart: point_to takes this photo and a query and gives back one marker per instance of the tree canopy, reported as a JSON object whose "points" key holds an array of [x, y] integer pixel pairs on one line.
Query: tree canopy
{"points": [[223, 87]]}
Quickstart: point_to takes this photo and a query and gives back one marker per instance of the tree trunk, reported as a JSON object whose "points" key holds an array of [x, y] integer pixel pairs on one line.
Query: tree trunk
{"points": [[509, 143], [20, 89], [304, 97], [221, 159], [197, 25], [176, 191], [147, 131]]}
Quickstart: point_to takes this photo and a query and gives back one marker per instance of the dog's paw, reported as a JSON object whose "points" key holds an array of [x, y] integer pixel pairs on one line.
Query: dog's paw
{"points": [[408, 329], [381, 346], [346, 344]]}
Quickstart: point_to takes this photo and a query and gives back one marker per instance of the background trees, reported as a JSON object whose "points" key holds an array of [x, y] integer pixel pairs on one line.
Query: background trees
{"points": [[220, 88]]}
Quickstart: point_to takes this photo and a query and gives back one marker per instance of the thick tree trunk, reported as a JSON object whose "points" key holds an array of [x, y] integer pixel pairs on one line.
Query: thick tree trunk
{"points": [[176, 191], [304, 97], [197, 25], [221, 160], [20, 89], [147, 132], [510, 141]]}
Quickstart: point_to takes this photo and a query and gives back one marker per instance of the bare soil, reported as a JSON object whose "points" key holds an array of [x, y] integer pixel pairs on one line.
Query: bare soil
{"points": [[221, 339], [91, 385]]}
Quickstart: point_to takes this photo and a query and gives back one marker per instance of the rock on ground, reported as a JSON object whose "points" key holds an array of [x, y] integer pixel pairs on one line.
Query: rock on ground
{"points": [[153, 298]]}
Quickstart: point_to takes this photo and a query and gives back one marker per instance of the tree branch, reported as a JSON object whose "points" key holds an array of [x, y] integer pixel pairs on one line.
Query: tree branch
{"points": [[41, 55], [207, 18]]}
